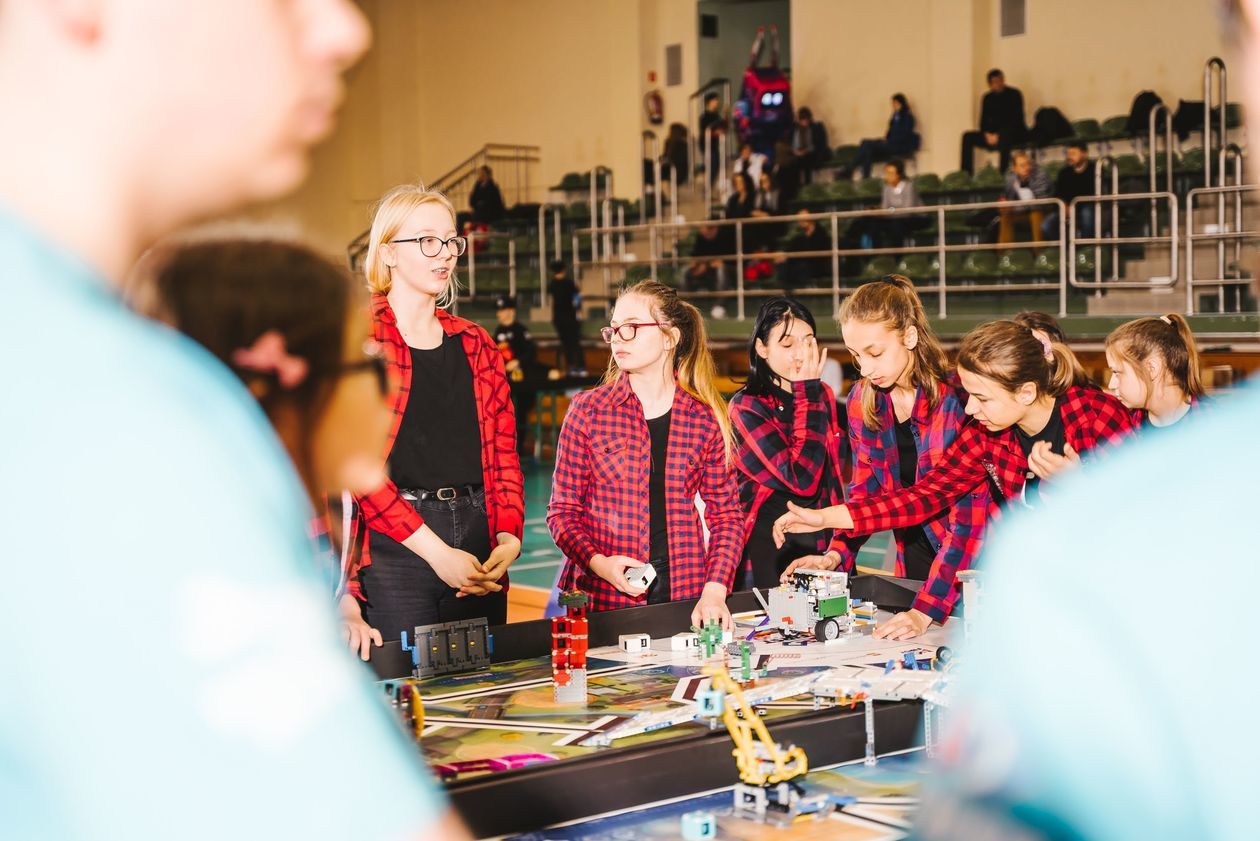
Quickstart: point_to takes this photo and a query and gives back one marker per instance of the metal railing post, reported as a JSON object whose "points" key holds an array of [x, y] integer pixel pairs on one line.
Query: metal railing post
{"points": [[542, 254], [1153, 157], [941, 275], [512, 268], [739, 269], [1190, 252], [835, 266], [708, 177], [1063, 236], [472, 264]]}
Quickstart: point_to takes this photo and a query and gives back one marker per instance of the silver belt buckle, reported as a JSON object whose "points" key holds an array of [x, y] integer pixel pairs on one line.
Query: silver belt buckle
{"points": [[407, 495], [447, 494]]}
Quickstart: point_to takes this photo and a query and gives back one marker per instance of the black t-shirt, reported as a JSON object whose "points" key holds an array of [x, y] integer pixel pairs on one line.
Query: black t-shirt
{"points": [[563, 292], [439, 438], [1071, 184], [1053, 433], [917, 550], [658, 429]]}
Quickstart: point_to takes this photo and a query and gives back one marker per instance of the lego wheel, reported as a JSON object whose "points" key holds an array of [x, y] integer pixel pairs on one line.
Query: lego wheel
{"points": [[827, 629]]}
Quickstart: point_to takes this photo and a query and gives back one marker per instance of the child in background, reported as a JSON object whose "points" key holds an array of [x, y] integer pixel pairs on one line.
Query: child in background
{"points": [[1154, 366]]}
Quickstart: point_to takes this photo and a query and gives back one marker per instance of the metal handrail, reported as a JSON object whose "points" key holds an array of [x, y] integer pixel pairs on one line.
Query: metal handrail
{"points": [[694, 119], [1115, 240], [542, 247], [1218, 64], [1152, 157], [1220, 237], [473, 237], [1114, 228], [940, 248], [652, 154]]}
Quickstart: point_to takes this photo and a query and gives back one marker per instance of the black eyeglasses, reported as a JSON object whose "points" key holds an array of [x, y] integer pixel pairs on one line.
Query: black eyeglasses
{"points": [[632, 326], [375, 362], [432, 246]]}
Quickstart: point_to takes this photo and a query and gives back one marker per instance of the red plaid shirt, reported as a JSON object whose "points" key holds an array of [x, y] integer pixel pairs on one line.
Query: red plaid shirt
{"points": [[1091, 418], [599, 495], [384, 510], [877, 470], [803, 461]]}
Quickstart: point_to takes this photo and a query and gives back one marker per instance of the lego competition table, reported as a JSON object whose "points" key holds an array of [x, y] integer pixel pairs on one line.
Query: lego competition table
{"points": [[515, 761]]}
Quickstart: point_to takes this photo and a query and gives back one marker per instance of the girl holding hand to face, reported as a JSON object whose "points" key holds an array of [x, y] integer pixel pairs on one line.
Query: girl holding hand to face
{"points": [[903, 415], [787, 437], [1035, 415], [1154, 365], [632, 455], [446, 526]]}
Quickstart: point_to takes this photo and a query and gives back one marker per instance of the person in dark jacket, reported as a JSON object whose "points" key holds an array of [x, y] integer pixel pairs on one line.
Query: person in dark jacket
{"points": [[1002, 123], [809, 142], [565, 302], [1074, 180], [801, 271], [520, 355], [486, 200], [900, 141]]}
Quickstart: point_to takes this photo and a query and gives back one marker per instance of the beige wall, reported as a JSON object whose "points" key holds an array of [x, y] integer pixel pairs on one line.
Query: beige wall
{"points": [[445, 77]]}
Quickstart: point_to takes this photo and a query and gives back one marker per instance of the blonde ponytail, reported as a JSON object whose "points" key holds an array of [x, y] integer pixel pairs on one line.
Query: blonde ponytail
{"points": [[1170, 338], [1012, 354]]}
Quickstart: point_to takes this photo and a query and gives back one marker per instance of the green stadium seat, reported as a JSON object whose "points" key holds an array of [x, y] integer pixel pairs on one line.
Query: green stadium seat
{"points": [[953, 264], [916, 267], [956, 182], [1052, 168], [844, 155], [1046, 262], [1086, 129], [878, 267], [1160, 162], [1191, 160], [1114, 128], [979, 264], [1130, 165], [870, 188], [1234, 116], [1017, 261], [814, 191], [928, 182], [842, 190], [988, 178], [1085, 260], [573, 181]]}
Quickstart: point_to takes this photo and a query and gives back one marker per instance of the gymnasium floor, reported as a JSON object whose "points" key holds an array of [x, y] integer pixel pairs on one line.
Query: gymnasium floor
{"points": [[534, 574]]}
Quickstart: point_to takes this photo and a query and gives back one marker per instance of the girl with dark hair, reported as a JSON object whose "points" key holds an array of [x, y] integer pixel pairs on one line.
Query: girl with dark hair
{"points": [[903, 415], [1032, 421], [1154, 366], [293, 328], [900, 141], [632, 456], [787, 436]]}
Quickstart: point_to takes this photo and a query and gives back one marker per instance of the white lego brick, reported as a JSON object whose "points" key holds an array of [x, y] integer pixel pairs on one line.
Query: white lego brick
{"points": [[683, 642], [634, 642], [641, 576]]}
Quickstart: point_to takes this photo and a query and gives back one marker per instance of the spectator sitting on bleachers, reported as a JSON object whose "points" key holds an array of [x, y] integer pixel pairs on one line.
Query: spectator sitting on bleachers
{"points": [[707, 271], [801, 271], [1025, 181], [712, 125], [809, 142], [739, 205], [786, 172], [674, 154], [1075, 179], [749, 162], [890, 232], [766, 202], [1002, 123], [486, 200], [900, 141]]}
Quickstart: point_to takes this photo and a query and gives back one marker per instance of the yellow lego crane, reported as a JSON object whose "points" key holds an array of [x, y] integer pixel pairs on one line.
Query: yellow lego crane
{"points": [[760, 760]]}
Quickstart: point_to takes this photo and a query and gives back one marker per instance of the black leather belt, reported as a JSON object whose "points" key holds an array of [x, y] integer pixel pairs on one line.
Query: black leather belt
{"points": [[443, 494]]}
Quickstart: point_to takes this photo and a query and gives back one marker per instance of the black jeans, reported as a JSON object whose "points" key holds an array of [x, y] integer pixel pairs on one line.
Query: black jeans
{"points": [[976, 140], [766, 563], [402, 590], [570, 335]]}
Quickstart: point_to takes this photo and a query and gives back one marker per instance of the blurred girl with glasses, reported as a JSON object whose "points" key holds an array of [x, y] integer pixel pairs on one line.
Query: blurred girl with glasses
{"points": [[292, 327], [446, 525], [632, 456]]}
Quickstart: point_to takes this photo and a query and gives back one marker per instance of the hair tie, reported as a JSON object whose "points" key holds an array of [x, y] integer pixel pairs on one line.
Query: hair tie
{"points": [[268, 356], [1166, 320], [1041, 336]]}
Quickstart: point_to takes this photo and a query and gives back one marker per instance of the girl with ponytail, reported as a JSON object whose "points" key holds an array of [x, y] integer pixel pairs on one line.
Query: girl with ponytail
{"points": [[903, 415], [1154, 366], [1032, 420], [632, 455]]}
